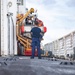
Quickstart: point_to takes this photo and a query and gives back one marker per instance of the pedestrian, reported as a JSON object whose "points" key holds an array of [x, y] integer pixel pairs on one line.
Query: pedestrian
{"points": [[36, 39]]}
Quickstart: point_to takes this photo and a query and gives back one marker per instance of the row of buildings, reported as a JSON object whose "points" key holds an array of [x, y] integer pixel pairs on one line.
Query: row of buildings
{"points": [[64, 46]]}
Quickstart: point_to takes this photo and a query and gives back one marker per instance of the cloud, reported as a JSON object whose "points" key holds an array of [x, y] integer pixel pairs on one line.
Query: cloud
{"points": [[58, 16], [70, 3]]}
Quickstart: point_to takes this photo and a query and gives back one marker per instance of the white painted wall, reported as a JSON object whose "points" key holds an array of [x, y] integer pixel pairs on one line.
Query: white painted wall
{"points": [[4, 30], [13, 9], [5, 8]]}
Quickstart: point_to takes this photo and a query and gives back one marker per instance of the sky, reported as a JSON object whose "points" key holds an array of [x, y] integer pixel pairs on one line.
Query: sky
{"points": [[57, 15]]}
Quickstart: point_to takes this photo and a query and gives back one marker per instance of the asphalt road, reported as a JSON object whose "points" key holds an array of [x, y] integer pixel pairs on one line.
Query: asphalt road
{"points": [[27, 66]]}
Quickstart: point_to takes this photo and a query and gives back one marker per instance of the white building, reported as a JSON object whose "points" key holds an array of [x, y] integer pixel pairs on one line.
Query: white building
{"points": [[64, 46]]}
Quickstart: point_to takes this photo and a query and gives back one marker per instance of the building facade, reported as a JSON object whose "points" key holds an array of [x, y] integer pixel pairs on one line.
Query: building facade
{"points": [[64, 46]]}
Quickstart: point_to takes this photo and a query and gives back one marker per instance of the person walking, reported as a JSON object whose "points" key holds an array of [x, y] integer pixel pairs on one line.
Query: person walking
{"points": [[36, 39]]}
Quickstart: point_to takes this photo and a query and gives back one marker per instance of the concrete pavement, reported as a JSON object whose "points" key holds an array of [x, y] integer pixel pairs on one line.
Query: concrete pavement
{"points": [[27, 66]]}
